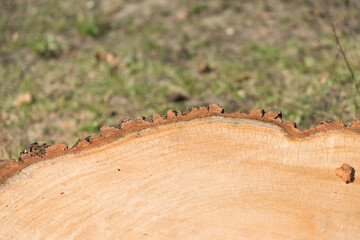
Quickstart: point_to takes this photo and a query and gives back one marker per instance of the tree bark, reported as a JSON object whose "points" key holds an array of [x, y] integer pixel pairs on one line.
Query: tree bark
{"points": [[203, 175]]}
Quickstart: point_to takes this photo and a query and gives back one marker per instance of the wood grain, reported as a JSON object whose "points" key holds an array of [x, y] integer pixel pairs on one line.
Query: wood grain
{"points": [[214, 177]]}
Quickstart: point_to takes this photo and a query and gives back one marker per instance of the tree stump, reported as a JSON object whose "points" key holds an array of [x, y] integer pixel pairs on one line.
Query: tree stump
{"points": [[201, 175]]}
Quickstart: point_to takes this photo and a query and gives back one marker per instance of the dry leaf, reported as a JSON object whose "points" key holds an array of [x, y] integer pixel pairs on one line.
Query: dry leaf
{"points": [[229, 31], [183, 15], [99, 56], [24, 98], [241, 93], [111, 59], [266, 15], [15, 36], [324, 78], [206, 67]]}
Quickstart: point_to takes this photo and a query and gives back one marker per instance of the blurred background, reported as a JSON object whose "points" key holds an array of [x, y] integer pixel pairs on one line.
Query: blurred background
{"points": [[68, 67]]}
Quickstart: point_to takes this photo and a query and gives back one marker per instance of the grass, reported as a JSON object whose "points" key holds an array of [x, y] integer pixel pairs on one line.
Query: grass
{"points": [[48, 47], [89, 24], [198, 8], [273, 59]]}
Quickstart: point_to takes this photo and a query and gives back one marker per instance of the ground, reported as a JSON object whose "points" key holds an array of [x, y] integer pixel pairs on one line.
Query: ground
{"points": [[69, 67]]}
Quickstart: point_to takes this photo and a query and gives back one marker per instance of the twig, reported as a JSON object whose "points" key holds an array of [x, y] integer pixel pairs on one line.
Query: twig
{"points": [[345, 58]]}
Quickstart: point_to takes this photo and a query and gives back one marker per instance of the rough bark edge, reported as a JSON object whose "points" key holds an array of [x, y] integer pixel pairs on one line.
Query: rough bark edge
{"points": [[10, 167]]}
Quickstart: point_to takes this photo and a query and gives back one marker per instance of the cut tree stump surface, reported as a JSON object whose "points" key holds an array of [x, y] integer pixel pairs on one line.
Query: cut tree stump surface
{"points": [[203, 175]]}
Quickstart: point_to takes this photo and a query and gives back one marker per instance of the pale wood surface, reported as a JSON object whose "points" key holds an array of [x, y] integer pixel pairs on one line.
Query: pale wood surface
{"points": [[210, 178]]}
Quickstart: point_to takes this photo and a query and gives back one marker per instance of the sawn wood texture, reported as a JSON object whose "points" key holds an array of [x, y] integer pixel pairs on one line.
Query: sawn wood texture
{"points": [[203, 175]]}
